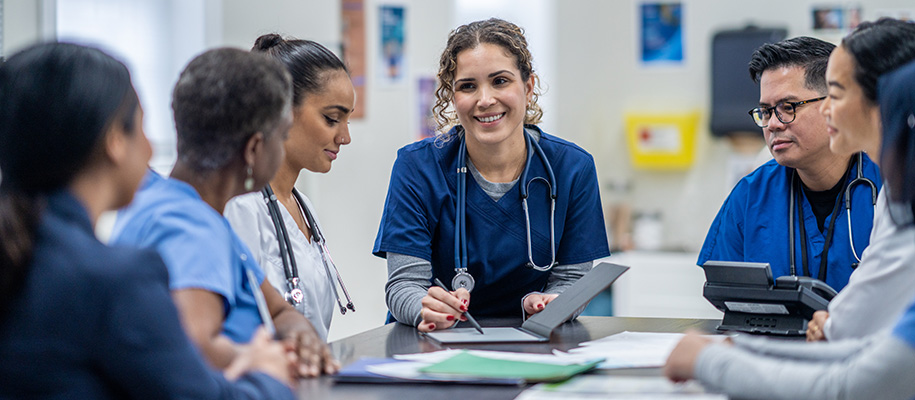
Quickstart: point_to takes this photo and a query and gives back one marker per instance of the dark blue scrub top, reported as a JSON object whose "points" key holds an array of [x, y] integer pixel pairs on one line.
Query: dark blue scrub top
{"points": [[419, 217]]}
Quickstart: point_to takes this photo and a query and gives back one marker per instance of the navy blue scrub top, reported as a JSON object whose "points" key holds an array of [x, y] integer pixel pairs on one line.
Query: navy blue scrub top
{"points": [[419, 218], [752, 225]]}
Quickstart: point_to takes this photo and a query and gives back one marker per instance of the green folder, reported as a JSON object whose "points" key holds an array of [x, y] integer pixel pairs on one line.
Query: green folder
{"points": [[466, 364]]}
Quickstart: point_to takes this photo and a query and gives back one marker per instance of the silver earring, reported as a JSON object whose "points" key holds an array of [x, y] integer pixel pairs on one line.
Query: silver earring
{"points": [[249, 181]]}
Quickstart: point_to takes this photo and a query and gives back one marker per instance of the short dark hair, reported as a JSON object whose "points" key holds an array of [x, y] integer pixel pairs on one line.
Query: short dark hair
{"points": [[222, 98], [304, 59], [877, 48], [803, 51]]}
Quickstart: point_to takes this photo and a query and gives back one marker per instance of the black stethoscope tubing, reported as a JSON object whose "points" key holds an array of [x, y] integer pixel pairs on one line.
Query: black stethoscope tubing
{"points": [[294, 294], [796, 202], [290, 269]]}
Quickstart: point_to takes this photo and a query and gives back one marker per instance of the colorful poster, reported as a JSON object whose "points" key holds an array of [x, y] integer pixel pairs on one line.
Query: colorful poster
{"points": [[662, 33], [391, 66], [425, 98], [354, 50], [827, 18]]}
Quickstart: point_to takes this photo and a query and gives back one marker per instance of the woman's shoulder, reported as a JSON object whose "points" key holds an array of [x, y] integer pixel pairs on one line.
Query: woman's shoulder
{"points": [[431, 145], [557, 144]]}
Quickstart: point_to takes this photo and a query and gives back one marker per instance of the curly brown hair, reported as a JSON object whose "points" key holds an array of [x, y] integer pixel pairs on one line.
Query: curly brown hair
{"points": [[493, 31]]}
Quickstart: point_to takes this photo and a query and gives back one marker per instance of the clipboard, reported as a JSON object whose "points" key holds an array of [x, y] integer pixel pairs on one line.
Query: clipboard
{"points": [[538, 327]]}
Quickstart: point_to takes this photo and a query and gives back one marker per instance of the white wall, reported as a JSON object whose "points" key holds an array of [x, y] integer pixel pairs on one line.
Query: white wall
{"points": [[21, 25]]}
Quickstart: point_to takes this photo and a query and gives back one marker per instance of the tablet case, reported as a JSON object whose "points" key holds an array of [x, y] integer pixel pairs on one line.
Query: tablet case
{"points": [[538, 327]]}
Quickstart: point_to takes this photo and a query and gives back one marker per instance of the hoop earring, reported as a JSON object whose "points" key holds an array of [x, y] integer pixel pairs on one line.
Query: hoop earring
{"points": [[249, 181]]}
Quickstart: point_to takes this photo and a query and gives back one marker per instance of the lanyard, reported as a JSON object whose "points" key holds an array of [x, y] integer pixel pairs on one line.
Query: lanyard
{"points": [[796, 199]]}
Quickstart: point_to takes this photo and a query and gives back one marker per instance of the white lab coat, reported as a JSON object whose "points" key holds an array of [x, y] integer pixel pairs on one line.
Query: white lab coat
{"points": [[251, 220]]}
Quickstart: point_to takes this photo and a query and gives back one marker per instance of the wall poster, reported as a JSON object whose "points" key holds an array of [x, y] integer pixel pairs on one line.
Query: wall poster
{"points": [[391, 57], [354, 50], [661, 37]]}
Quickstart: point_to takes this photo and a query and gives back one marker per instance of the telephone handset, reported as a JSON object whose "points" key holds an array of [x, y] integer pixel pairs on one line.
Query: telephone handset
{"points": [[754, 302], [817, 286]]}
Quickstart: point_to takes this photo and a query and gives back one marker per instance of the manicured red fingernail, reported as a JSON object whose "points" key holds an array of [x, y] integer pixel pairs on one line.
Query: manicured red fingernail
{"points": [[463, 318], [450, 318], [432, 326], [540, 306], [464, 301], [463, 308]]}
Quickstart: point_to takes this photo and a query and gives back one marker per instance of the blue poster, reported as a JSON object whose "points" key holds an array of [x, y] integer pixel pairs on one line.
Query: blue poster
{"points": [[391, 62], [662, 33]]}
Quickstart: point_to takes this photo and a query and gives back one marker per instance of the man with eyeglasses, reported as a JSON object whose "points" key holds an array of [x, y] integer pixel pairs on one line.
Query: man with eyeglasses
{"points": [[800, 195]]}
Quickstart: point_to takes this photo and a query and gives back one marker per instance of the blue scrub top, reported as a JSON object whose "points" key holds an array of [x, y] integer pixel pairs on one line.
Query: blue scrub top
{"points": [[198, 246], [752, 225], [419, 218]]}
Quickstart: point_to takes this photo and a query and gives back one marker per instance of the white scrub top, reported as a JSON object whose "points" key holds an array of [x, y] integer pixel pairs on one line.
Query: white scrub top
{"points": [[251, 221]]}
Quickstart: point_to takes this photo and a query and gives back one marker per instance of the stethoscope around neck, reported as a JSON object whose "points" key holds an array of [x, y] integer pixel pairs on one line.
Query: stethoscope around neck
{"points": [[794, 201], [294, 294], [462, 278]]}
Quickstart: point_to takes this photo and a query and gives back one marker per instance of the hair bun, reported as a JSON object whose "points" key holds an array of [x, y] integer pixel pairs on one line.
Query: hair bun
{"points": [[265, 42]]}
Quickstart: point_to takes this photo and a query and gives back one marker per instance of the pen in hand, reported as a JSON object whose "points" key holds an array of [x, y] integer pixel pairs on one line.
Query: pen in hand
{"points": [[466, 313]]}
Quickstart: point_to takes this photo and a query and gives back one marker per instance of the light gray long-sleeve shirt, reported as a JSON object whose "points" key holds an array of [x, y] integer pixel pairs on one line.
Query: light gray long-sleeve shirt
{"points": [[881, 288], [879, 366]]}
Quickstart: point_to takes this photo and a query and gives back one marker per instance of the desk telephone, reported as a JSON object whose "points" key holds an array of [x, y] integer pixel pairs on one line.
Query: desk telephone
{"points": [[753, 302]]}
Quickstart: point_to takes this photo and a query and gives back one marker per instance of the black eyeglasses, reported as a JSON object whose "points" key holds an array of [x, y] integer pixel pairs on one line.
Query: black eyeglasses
{"points": [[785, 112]]}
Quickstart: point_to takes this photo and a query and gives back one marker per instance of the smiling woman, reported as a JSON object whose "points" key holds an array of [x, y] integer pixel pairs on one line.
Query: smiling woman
{"points": [[515, 244]]}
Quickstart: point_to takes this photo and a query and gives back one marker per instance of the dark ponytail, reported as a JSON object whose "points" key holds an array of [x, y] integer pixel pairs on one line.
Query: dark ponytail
{"points": [[304, 59], [57, 101]]}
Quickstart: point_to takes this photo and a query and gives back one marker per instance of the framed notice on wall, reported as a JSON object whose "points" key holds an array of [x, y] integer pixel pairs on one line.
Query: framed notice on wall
{"points": [[354, 50], [661, 35]]}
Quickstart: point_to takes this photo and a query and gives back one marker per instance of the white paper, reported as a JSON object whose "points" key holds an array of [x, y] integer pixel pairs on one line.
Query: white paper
{"points": [[632, 349]]}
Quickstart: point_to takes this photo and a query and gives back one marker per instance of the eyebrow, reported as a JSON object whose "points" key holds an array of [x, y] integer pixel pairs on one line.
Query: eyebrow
{"points": [[780, 101], [494, 74], [835, 84], [338, 107]]}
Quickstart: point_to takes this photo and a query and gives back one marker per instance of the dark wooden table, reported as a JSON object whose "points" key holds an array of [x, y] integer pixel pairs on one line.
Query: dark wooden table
{"points": [[392, 339]]}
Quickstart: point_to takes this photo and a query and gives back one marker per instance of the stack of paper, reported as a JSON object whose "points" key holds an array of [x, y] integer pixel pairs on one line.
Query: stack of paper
{"points": [[632, 349]]}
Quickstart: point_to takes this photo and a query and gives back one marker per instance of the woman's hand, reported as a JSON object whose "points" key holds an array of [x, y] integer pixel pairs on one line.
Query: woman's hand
{"points": [[536, 302], [681, 363], [815, 326], [442, 309], [312, 354], [263, 354]]}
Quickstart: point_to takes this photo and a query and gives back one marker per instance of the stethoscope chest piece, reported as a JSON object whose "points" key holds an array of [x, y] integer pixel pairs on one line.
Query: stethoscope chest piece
{"points": [[462, 280], [294, 294]]}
